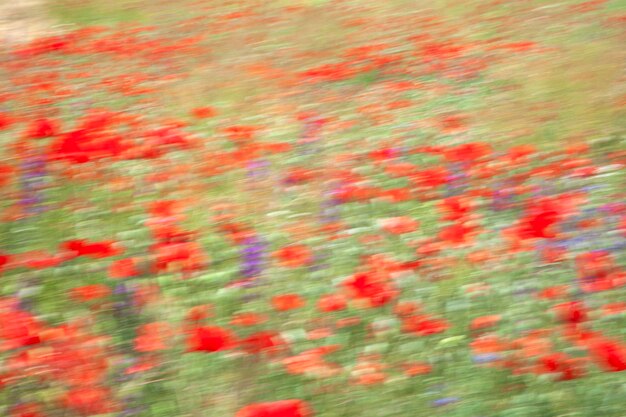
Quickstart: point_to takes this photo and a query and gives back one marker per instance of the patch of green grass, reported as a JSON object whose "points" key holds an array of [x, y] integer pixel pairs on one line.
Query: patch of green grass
{"points": [[91, 12]]}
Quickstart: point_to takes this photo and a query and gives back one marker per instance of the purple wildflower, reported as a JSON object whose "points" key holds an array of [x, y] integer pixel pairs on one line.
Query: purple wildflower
{"points": [[486, 358], [253, 257], [32, 181], [445, 401], [258, 169]]}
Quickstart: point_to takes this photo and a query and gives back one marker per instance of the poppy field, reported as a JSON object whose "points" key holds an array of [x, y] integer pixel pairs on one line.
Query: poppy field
{"points": [[315, 208]]}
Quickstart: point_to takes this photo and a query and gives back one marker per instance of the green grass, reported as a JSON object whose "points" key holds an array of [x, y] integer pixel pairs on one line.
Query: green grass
{"points": [[91, 12]]}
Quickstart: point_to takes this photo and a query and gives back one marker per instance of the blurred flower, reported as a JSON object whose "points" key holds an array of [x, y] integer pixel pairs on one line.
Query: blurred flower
{"points": [[90, 292], [486, 358], [210, 339], [284, 408], [253, 257], [445, 401], [331, 302], [572, 312], [287, 302], [294, 256], [203, 112], [89, 400]]}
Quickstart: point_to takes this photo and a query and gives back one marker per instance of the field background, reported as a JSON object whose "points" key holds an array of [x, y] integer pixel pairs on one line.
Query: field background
{"points": [[567, 90]]}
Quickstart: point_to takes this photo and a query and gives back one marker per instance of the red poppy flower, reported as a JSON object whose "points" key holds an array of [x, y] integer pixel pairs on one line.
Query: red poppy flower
{"points": [[163, 208], [5, 121], [539, 225], [484, 322], [572, 312], [294, 256], [4, 259], [19, 328], [210, 339], [241, 133], [454, 208], [452, 123], [559, 363], [331, 302], [152, 337], [406, 308], [40, 260], [609, 354], [556, 291], [198, 313], [88, 401], [613, 308], [432, 177], [286, 302], [458, 233], [298, 175], [260, 342], [248, 319], [203, 112], [364, 286], [521, 151], [123, 268], [102, 249], [467, 152], [417, 368], [285, 408], [424, 325], [42, 128], [90, 292], [5, 174]]}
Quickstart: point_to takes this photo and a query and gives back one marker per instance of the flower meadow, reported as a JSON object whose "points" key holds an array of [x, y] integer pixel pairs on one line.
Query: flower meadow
{"points": [[315, 209]]}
